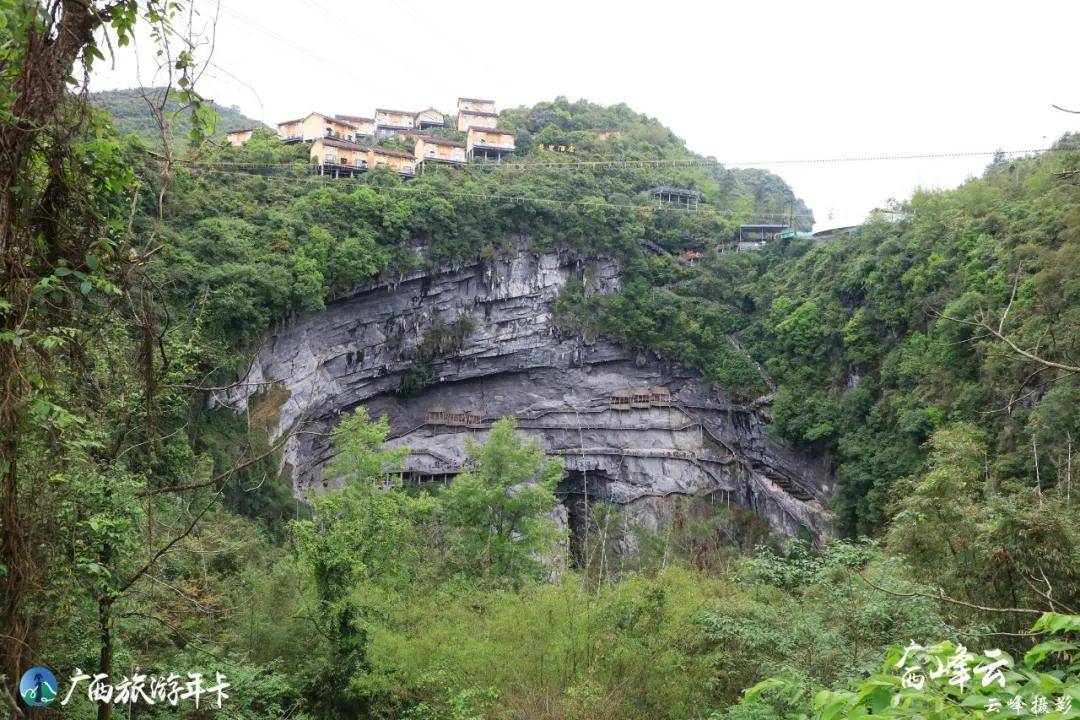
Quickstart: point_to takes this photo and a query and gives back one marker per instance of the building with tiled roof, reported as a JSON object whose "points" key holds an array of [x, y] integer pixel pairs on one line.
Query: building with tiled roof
{"points": [[489, 143], [476, 118], [315, 125], [475, 105], [430, 149]]}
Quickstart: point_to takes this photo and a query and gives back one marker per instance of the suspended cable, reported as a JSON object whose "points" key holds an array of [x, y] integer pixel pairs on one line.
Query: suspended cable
{"points": [[337, 66], [691, 162], [492, 197]]}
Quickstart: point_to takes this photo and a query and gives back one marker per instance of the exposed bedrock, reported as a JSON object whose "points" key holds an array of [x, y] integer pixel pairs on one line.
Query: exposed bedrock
{"points": [[508, 358]]}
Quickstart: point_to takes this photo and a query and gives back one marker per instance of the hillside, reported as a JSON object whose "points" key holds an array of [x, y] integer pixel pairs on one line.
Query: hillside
{"points": [[924, 372], [277, 216], [951, 453], [843, 336], [131, 115], [617, 133], [854, 335]]}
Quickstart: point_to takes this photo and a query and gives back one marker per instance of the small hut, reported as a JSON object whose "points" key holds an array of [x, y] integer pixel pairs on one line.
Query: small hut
{"points": [[676, 196], [621, 399], [660, 396], [436, 415], [473, 417], [642, 398]]}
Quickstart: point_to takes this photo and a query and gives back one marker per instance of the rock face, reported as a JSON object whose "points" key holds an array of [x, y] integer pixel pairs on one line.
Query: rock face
{"points": [[476, 343]]}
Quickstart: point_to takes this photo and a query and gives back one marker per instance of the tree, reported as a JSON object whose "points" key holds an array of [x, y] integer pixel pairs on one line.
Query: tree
{"points": [[67, 255], [936, 512], [498, 511], [1005, 555], [975, 686], [364, 534]]}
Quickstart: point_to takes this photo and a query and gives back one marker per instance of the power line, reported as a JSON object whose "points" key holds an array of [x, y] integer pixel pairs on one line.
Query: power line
{"points": [[693, 162], [254, 92], [713, 162], [342, 22], [337, 66], [513, 199]]}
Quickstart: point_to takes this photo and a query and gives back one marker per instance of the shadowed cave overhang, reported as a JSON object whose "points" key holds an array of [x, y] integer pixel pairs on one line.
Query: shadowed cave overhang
{"points": [[478, 342]]}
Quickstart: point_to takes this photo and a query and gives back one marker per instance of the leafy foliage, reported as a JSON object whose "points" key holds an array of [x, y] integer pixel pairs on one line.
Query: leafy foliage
{"points": [[497, 510], [943, 681], [128, 109], [395, 602]]}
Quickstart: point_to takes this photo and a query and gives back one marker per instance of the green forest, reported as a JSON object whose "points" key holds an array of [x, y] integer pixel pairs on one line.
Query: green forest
{"points": [[934, 356], [145, 111]]}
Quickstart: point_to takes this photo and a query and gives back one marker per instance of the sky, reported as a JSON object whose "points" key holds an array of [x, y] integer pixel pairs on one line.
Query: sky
{"points": [[747, 82]]}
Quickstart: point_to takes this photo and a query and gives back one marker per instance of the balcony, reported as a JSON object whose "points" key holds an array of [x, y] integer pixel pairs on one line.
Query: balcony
{"points": [[340, 167], [445, 158], [486, 152], [358, 163]]}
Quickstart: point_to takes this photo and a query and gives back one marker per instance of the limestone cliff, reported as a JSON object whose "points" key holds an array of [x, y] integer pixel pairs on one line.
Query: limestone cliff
{"points": [[480, 339]]}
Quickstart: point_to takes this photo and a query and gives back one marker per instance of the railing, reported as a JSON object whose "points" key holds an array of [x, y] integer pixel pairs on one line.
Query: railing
{"points": [[342, 162]]}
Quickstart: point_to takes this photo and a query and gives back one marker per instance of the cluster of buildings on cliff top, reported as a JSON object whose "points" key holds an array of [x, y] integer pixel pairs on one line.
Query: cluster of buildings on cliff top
{"points": [[347, 144]]}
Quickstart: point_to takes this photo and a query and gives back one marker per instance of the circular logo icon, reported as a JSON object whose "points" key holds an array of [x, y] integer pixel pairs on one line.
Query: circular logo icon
{"points": [[38, 687]]}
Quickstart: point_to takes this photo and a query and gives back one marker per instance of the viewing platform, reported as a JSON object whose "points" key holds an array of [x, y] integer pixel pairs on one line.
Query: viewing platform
{"points": [[676, 196]]}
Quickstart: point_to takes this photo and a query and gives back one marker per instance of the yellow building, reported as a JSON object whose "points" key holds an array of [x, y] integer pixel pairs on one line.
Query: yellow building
{"points": [[342, 157], [430, 149], [488, 143], [391, 122], [397, 160], [475, 118], [430, 118], [315, 125], [365, 126], [475, 105], [238, 138], [339, 157]]}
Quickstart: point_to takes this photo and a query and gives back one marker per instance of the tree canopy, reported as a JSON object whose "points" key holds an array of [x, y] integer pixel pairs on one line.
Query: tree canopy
{"points": [[933, 357]]}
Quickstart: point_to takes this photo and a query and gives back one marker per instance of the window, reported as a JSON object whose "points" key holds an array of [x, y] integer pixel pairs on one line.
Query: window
{"points": [[329, 159]]}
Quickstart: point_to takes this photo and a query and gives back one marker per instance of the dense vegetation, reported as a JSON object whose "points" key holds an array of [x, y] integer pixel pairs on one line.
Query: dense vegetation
{"points": [[934, 356], [132, 113], [870, 342]]}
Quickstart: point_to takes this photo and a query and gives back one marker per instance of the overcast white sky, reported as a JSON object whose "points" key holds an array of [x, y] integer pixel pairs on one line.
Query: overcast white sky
{"points": [[742, 81]]}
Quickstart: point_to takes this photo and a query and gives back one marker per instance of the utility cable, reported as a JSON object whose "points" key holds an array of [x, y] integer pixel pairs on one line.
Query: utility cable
{"points": [[692, 162], [496, 198]]}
